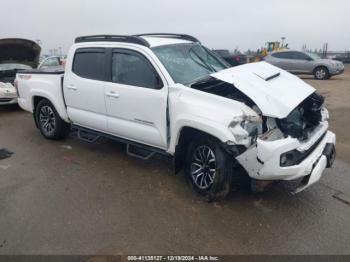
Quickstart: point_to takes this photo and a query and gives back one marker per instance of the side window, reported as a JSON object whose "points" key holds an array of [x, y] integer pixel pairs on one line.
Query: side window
{"points": [[90, 63], [300, 56], [132, 68], [283, 55]]}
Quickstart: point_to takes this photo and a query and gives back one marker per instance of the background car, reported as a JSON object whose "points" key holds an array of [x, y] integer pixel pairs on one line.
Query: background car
{"points": [[52, 61], [15, 54], [344, 58], [233, 60], [305, 63]]}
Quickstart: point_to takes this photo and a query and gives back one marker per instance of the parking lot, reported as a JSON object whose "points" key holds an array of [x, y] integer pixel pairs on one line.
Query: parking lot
{"points": [[72, 197]]}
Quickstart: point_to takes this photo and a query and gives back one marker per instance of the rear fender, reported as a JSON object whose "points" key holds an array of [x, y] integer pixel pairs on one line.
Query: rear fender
{"points": [[57, 102]]}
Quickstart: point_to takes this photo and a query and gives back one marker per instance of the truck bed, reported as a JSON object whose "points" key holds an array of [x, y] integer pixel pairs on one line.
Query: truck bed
{"points": [[36, 84], [45, 71]]}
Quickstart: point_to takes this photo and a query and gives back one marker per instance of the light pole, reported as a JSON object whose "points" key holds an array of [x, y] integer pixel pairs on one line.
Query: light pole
{"points": [[283, 38]]}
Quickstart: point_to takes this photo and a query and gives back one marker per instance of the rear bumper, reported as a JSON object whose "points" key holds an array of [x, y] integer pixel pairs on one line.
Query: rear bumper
{"points": [[262, 162]]}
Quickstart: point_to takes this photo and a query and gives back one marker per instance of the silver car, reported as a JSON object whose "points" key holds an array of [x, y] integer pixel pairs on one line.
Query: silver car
{"points": [[305, 63]]}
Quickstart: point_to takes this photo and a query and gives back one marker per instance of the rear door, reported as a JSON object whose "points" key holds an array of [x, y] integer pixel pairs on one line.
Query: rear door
{"points": [[84, 88], [136, 99], [284, 60]]}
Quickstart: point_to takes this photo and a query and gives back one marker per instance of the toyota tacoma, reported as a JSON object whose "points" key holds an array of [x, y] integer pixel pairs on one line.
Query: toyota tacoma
{"points": [[169, 94]]}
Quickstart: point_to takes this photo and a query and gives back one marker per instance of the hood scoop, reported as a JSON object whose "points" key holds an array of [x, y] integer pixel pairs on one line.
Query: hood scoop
{"points": [[267, 74], [275, 91]]}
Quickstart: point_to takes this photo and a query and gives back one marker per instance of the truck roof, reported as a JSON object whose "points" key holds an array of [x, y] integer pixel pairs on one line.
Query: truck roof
{"points": [[159, 41], [148, 40]]}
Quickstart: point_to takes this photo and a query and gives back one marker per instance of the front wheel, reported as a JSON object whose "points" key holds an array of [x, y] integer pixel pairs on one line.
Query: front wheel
{"points": [[49, 122], [321, 73], [209, 168]]}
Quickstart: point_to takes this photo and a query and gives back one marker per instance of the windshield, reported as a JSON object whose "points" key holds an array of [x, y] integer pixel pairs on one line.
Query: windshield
{"points": [[188, 62], [4, 67], [313, 56]]}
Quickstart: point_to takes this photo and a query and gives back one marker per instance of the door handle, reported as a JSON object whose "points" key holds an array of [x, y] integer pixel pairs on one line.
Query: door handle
{"points": [[72, 87], [112, 94]]}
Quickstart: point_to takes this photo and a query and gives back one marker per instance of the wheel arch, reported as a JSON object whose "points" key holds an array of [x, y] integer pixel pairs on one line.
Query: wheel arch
{"points": [[319, 66], [184, 138], [38, 96]]}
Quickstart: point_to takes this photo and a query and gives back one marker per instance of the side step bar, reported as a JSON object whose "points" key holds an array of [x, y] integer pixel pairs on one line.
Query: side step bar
{"points": [[139, 152], [134, 149], [89, 137]]}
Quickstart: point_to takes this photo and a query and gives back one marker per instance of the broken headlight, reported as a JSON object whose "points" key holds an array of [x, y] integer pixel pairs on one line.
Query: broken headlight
{"points": [[252, 128], [247, 129]]}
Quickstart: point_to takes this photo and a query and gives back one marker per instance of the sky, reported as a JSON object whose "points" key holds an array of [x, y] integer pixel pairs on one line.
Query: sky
{"points": [[220, 24]]}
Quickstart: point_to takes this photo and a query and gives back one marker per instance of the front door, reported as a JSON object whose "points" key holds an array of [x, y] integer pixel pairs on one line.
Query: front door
{"points": [[303, 63], [136, 99]]}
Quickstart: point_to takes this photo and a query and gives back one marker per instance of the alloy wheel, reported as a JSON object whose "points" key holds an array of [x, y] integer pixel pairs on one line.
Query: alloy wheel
{"points": [[321, 73], [203, 167], [47, 120]]}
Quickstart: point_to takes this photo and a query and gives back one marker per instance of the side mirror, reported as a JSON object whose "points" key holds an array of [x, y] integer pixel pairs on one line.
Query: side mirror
{"points": [[309, 59], [159, 82]]}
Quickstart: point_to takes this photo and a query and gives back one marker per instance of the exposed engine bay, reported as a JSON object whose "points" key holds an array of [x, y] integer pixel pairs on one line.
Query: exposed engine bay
{"points": [[303, 119], [298, 124]]}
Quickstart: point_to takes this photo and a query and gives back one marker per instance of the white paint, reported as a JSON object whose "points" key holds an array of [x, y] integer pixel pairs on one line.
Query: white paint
{"points": [[276, 97], [8, 91]]}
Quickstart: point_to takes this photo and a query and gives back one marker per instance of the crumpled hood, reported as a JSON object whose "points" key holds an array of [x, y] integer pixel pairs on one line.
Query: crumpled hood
{"points": [[19, 51], [275, 91]]}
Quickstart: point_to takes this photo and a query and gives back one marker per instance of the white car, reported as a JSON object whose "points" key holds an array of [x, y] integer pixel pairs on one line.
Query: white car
{"points": [[15, 54], [168, 94]]}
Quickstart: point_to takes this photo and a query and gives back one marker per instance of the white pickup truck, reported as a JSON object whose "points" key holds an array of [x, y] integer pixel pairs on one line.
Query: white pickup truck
{"points": [[167, 93]]}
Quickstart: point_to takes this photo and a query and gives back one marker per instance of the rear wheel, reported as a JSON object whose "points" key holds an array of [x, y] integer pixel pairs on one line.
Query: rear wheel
{"points": [[209, 168], [49, 122], [321, 73]]}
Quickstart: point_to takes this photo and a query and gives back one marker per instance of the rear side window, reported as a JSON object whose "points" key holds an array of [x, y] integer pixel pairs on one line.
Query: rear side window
{"points": [[283, 55], [90, 63], [132, 68]]}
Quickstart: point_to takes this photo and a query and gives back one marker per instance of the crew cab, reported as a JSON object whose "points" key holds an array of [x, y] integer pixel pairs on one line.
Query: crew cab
{"points": [[168, 94]]}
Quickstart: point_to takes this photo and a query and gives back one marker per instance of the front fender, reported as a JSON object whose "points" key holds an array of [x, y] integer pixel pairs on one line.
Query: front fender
{"points": [[329, 68], [208, 126]]}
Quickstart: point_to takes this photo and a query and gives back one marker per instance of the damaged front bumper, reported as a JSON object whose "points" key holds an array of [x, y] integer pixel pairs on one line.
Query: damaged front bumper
{"points": [[263, 160], [8, 101]]}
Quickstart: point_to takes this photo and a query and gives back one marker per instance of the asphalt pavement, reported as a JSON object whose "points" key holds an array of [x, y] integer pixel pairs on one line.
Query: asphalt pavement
{"points": [[72, 197]]}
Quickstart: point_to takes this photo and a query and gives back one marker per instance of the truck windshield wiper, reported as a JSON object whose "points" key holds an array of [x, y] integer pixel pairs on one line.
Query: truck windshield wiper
{"points": [[203, 62], [198, 80]]}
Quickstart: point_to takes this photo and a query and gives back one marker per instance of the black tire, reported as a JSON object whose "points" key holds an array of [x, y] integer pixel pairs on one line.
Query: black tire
{"points": [[49, 122], [321, 73], [214, 185]]}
